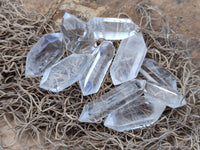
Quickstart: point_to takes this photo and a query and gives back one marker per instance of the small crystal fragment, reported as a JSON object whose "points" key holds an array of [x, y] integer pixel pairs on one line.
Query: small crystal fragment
{"points": [[96, 71], [114, 99], [47, 51], [112, 28], [142, 112], [167, 95], [155, 72], [128, 59], [64, 73], [76, 35]]}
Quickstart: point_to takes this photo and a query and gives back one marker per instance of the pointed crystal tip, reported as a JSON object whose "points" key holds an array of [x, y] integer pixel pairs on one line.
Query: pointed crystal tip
{"points": [[84, 117]]}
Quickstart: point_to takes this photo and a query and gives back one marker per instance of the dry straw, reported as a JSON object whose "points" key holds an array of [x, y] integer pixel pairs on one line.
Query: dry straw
{"points": [[50, 120]]}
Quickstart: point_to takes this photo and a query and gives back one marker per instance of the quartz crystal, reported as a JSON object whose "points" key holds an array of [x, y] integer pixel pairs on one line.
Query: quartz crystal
{"points": [[65, 72], [142, 112], [155, 72], [167, 95], [47, 51], [128, 59], [76, 35], [112, 28], [114, 99], [96, 71]]}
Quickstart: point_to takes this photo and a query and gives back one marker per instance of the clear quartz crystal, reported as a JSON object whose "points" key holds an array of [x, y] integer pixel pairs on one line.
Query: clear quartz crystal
{"points": [[112, 28], [142, 112], [155, 72], [77, 37], [47, 51], [96, 71], [65, 72], [169, 96], [128, 59], [114, 99]]}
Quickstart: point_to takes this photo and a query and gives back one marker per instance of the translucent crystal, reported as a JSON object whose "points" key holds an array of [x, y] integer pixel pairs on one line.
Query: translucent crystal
{"points": [[141, 112], [167, 95], [47, 51], [96, 71], [64, 73], [114, 99], [128, 59], [77, 37], [155, 72], [112, 28]]}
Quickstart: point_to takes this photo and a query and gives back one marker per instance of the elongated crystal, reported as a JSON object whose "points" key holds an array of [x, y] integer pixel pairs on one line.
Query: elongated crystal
{"points": [[114, 99], [155, 72], [96, 71], [76, 35], [47, 51], [142, 112], [64, 73], [167, 95], [112, 28], [128, 59]]}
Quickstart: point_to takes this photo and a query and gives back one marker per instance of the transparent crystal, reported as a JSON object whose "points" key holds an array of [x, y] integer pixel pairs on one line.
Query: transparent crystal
{"points": [[112, 28], [64, 73], [96, 71], [155, 72], [47, 51], [76, 35], [128, 59], [142, 112], [114, 99], [167, 95]]}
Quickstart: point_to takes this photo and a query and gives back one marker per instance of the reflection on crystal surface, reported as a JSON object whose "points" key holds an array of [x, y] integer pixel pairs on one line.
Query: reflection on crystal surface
{"points": [[47, 51], [64, 73], [77, 37], [157, 73], [142, 112], [128, 59], [114, 99], [112, 28], [167, 95], [96, 71]]}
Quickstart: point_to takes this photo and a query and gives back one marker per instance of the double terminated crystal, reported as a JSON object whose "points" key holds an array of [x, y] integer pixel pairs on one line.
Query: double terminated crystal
{"points": [[96, 70], [47, 51], [114, 99], [128, 59]]}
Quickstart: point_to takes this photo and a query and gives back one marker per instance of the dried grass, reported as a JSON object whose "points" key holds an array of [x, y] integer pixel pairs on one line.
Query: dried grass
{"points": [[50, 120]]}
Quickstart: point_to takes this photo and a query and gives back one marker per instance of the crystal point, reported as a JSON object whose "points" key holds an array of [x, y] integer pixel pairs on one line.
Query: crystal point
{"points": [[169, 96], [96, 71], [128, 59], [155, 72], [112, 28], [64, 73], [47, 51], [142, 112], [77, 37], [114, 99]]}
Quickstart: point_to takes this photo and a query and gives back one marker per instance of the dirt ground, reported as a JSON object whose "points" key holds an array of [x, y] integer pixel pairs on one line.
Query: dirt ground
{"points": [[183, 16]]}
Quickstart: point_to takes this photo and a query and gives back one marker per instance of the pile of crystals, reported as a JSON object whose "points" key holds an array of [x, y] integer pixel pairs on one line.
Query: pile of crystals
{"points": [[135, 103]]}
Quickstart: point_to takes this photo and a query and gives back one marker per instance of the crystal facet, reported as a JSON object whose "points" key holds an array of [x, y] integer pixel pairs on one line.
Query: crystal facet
{"points": [[47, 51], [114, 99], [64, 73], [167, 95], [128, 59], [155, 72], [142, 112], [112, 28], [76, 35], [96, 71]]}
